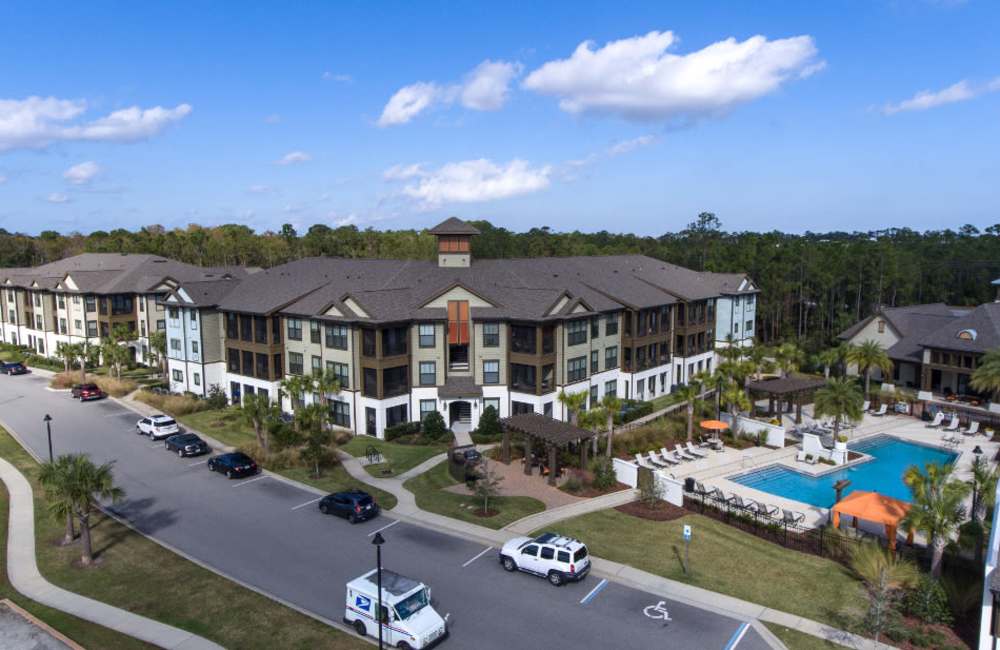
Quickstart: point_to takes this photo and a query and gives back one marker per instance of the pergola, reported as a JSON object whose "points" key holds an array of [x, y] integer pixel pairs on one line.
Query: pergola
{"points": [[787, 390], [874, 507], [554, 434]]}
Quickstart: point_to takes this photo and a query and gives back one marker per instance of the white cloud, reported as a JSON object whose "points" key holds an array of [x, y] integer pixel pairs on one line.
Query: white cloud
{"points": [[36, 122], [344, 220], [403, 172], [342, 78], [293, 157], [83, 173], [485, 88], [273, 118], [626, 146], [57, 197], [957, 92], [473, 181], [259, 189], [639, 79]]}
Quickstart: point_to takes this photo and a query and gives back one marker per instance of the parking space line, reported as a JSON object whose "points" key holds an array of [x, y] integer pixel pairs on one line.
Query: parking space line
{"points": [[116, 415], [383, 528], [593, 592], [197, 462], [303, 505], [478, 555], [737, 636], [253, 480], [156, 444]]}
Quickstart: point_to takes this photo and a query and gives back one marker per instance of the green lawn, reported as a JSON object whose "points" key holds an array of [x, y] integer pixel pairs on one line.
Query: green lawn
{"points": [[138, 575], [726, 560], [399, 458], [796, 640], [428, 489], [228, 427]]}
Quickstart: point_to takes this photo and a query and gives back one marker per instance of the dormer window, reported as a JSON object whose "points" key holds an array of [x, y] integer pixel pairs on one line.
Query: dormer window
{"points": [[967, 335]]}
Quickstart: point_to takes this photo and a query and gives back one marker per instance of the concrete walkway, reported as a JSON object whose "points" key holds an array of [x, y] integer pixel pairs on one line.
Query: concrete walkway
{"points": [[574, 509], [22, 570]]}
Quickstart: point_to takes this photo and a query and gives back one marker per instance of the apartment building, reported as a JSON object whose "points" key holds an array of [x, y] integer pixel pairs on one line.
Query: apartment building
{"points": [[407, 337], [735, 308]]}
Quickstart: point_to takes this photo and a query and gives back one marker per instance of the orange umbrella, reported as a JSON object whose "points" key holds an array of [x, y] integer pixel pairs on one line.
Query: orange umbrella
{"points": [[714, 425]]}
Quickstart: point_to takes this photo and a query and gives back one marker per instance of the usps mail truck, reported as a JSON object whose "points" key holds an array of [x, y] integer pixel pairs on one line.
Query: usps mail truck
{"points": [[408, 619]]}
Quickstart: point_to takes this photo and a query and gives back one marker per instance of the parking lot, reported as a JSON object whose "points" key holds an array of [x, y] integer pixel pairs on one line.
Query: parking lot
{"points": [[268, 533]]}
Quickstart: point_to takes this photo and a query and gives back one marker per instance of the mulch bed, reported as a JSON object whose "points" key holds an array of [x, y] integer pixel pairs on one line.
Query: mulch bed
{"points": [[589, 491], [663, 511]]}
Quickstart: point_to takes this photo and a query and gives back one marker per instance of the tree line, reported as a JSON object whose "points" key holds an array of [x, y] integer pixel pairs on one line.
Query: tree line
{"points": [[813, 285]]}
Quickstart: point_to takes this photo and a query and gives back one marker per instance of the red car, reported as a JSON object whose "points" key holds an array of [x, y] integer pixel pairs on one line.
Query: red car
{"points": [[90, 392]]}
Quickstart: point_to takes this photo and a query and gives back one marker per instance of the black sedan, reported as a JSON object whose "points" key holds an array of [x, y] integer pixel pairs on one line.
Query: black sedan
{"points": [[15, 368], [234, 465], [186, 444], [353, 505]]}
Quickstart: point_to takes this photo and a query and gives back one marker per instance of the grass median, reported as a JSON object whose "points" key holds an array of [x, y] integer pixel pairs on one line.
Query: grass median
{"points": [[800, 640], [227, 426], [137, 574], [429, 490], [398, 457], [725, 560]]}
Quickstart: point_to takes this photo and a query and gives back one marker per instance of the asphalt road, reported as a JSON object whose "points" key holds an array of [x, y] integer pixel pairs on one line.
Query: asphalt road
{"points": [[270, 534]]}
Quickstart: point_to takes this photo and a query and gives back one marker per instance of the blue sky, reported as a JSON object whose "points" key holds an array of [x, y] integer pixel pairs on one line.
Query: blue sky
{"points": [[793, 116]]}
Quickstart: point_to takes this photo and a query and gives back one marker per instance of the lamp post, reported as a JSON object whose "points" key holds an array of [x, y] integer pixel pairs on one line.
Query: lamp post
{"points": [[378, 541], [48, 429]]}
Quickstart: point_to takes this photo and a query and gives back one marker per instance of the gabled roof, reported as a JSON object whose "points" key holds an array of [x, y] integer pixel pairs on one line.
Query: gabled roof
{"points": [[982, 328], [454, 226], [730, 284]]}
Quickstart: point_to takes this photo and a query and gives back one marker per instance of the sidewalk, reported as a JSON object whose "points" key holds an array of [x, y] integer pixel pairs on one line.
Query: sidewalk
{"points": [[22, 570]]}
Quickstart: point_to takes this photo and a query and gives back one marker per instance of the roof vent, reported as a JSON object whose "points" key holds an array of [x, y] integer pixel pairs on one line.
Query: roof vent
{"points": [[967, 335]]}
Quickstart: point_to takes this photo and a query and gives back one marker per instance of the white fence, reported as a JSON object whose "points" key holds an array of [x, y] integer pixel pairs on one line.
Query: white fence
{"points": [[774, 434], [628, 473]]}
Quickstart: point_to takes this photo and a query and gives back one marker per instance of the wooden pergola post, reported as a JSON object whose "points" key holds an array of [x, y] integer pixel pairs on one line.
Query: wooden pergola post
{"points": [[583, 454], [798, 408], [553, 459], [505, 447], [527, 454]]}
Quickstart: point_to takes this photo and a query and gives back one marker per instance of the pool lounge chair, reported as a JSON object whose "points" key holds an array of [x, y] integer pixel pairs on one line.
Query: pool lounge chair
{"points": [[791, 517], [671, 456], [765, 510], [694, 451], [867, 405], [950, 439], [737, 501], [683, 454], [642, 462], [972, 429], [805, 457], [953, 425], [881, 411], [658, 460], [699, 488], [937, 421]]}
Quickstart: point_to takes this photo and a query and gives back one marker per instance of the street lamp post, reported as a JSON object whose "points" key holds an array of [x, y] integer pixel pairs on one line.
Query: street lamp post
{"points": [[48, 428], [378, 541]]}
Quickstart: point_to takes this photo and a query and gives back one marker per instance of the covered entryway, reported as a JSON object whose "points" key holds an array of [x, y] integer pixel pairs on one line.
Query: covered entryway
{"points": [[460, 413]]}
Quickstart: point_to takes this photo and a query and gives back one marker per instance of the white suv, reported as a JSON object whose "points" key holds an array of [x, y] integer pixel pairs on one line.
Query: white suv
{"points": [[157, 427], [559, 559]]}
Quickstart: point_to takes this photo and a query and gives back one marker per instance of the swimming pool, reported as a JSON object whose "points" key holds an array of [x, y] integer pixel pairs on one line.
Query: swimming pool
{"points": [[883, 474]]}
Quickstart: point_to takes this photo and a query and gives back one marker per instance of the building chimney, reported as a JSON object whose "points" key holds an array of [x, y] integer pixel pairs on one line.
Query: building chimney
{"points": [[454, 238]]}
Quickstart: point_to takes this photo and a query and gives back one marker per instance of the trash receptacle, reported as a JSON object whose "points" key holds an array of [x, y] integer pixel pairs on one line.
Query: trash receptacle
{"points": [[689, 484]]}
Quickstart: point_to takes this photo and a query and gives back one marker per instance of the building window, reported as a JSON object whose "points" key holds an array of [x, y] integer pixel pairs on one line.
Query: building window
{"points": [[393, 341], [368, 343], [611, 357], [294, 329], [610, 324], [38, 300], [173, 313], [62, 325], [90, 303], [517, 408], [340, 413], [142, 328], [317, 366], [428, 373], [395, 415], [39, 323], [576, 369], [295, 363], [593, 396], [76, 300], [175, 345], [491, 335], [161, 325], [259, 329], [276, 367], [339, 370], [261, 371], [62, 301], [246, 329], [640, 389], [594, 360], [197, 378], [595, 327], [523, 339], [232, 326], [394, 381], [576, 332], [491, 372], [427, 406], [77, 325], [195, 347], [610, 387], [748, 328], [336, 337], [178, 375], [458, 322], [370, 377], [523, 378], [315, 334], [547, 409], [275, 329], [652, 385], [425, 334], [492, 402]]}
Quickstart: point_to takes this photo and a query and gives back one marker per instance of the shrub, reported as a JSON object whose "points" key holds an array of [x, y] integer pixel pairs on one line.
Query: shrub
{"points": [[402, 429], [67, 380], [283, 435], [115, 387], [489, 427], [632, 410], [928, 601], [216, 398], [573, 484], [604, 473], [433, 426], [176, 405]]}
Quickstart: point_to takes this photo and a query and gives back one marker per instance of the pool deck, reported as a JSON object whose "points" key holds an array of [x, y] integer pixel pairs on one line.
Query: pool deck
{"points": [[715, 470]]}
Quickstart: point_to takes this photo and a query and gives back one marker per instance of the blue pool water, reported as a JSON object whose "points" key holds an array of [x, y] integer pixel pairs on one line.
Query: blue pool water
{"points": [[883, 474]]}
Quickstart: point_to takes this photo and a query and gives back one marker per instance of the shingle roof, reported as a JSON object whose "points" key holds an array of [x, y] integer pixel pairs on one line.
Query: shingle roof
{"points": [[456, 387], [546, 428], [454, 226], [983, 323], [786, 385], [728, 283]]}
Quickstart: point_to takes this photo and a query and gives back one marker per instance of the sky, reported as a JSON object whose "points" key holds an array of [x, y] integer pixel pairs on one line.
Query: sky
{"points": [[624, 116]]}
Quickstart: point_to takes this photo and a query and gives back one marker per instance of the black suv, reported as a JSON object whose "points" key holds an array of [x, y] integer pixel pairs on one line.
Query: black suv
{"points": [[14, 368], [353, 505], [186, 444], [234, 465]]}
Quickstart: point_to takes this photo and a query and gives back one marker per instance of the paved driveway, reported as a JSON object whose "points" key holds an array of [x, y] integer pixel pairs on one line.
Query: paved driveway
{"points": [[269, 533]]}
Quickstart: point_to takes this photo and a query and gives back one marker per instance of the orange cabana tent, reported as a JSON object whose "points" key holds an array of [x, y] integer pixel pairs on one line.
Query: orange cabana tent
{"points": [[875, 507]]}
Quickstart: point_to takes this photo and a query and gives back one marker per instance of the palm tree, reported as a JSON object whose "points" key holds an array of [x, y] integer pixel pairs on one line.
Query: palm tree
{"points": [[690, 394], [736, 400], [63, 352], [758, 357], [788, 357], [314, 418], [829, 358], [937, 507], [884, 575], [867, 357], [54, 477], [158, 350], [257, 411], [839, 399], [295, 386], [574, 403], [325, 383], [610, 404], [83, 483], [986, 376], [984, 486]]}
